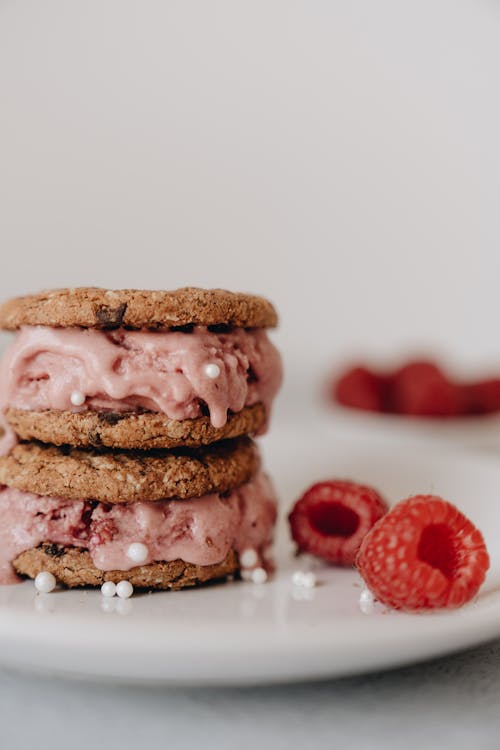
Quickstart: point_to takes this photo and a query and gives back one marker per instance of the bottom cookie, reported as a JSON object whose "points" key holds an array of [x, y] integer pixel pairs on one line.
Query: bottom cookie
{"points": [[73, 567]]}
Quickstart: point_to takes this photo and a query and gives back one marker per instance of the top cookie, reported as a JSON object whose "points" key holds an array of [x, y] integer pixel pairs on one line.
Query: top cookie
{"points": [[90, 307]]}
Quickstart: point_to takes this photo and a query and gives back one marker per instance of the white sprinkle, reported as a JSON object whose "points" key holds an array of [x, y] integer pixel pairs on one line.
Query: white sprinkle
{"points": [[212, 371], [77, 398], [124, 589], [137, 552], [304, 578], [249, 558], [246, 574], [45, 582], [259, 575], [108, 589], [298, 577], [309, 580], [366, 601]]}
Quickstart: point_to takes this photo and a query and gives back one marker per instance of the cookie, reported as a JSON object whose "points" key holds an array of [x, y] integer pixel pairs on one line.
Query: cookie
{"points": [[74, 567], [125, 477], [90, 307], [130, 430]]}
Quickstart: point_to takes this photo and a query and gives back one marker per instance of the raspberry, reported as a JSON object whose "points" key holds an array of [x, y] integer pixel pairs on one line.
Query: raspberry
{"points": [[424, 554], [360, 388], [331, 519], [482, 397], [421, 389]]}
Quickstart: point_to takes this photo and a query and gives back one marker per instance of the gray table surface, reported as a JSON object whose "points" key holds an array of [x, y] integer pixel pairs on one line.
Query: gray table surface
{"points": [[450, 702]]}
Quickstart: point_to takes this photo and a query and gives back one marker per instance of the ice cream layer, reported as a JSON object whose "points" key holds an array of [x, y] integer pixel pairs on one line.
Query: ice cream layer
{"points": [[200, 531], [181, 374]]}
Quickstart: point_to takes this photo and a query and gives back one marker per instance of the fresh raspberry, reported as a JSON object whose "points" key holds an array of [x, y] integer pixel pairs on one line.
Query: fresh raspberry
{"points": [[482, 397], [421, 389], [331, 519], [360, 388], [424, 554]]}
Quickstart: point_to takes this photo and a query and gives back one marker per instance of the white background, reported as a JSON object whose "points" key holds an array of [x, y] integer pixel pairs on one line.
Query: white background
{"points": [[340, 156]]}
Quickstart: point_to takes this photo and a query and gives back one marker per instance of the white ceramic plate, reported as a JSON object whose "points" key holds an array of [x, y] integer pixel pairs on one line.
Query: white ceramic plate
{"points": [[241, 633]]}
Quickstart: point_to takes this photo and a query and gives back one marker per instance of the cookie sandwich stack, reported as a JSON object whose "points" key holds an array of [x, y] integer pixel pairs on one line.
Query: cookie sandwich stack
{"points": [[126, 453]]}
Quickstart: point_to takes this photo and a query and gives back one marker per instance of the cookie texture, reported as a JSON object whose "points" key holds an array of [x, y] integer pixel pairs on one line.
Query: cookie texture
{"points": [[91, 307], [130, 430], [73, 567], [124, 477]]}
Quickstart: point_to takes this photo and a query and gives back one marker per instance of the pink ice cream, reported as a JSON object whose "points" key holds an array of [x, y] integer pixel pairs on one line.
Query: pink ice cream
{"points": [[124, 370], [200, 531]]}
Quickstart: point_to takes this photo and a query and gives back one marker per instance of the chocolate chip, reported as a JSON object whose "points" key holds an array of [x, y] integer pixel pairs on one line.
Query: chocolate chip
{"points": [[111, 317], [54, 550], [111, 417]]}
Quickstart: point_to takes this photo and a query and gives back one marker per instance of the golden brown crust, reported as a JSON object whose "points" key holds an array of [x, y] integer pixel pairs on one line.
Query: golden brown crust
{"points": [[74, 567], [90, 307], [130, 430], [120, 477]]}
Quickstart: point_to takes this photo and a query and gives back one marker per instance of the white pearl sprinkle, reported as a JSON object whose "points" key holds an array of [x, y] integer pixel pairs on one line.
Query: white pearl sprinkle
{"points": [[124, 589], [77, 398], [297, 577], [259, 575], [304, 578], [249, 558], [366, 601], [309, 580], [212, 371], [45, 582], [108, 589], [137, 552]]}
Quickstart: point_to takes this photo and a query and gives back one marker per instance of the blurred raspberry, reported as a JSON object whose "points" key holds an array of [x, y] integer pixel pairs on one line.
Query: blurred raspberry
{"points": [[421, 389], [360, 388], [482, 397]]}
